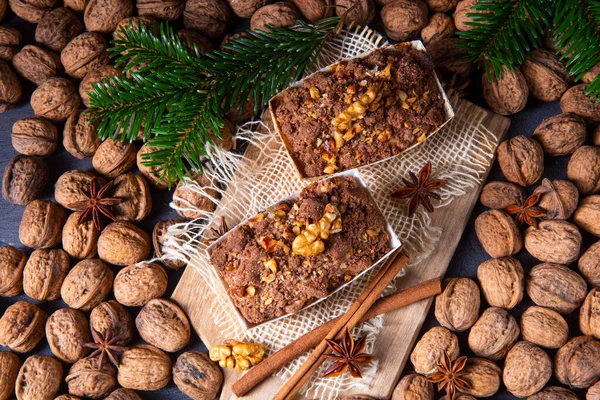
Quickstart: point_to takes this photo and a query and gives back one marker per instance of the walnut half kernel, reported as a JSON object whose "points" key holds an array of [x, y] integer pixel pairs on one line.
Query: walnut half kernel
{"points": [[310, 240], [238, 355]]}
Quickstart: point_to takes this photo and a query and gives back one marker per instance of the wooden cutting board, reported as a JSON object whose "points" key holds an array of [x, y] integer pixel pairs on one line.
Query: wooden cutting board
{"points": [[401, 327]]}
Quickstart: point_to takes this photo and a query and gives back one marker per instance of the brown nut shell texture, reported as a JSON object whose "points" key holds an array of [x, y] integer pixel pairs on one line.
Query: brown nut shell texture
{"points": [[114, 158], [277, 15], [9, 369], [527, 369], [483, 375], [313, 10], [85, 379], [584, 169], [44, 274], [589, 315], [493, 334], [163, 324], [99, 75], [34, 137], [36, 64], [24, 179], [587, 216], [194, 197], [12, 262], [122, 243], [561, 134], [10, 87], [164, 10], [136, 285], [502, 282], [197, 376], [158, 240], [556, 287], [428, 351], [87, 284], [440, 26], [413, 387], [67, 330], [544, 327], [589, 265], [39, 378], [10, 40], [593, 392], [457, 307], [84, 53], [576, 363], [57, 28], [362, 14], [22, 326], [404, 19], [70, 185], [505, 95], [123, 394], [134, 192], [55, 99], [80, 240], [546, 76], [554, 241], [554, 393], [152, 173], [80, 136], [144, 367], [521, 160], [209, 17], [103, 16], [498, 233], [31, 10], [111, 316], [41, 225], [576, 101], [558, 198]]}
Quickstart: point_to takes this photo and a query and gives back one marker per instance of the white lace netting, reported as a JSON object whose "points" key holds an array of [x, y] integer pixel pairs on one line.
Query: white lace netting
{"points": [[460, 153]]}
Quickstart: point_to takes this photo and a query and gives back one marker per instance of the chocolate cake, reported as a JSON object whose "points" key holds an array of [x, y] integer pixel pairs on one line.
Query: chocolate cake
{"points": [[301, 250], [360, 111]]}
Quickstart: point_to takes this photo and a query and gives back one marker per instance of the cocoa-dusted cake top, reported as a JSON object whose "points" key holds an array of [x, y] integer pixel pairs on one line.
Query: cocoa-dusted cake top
{"points": [[360, 111], [302, 249]]}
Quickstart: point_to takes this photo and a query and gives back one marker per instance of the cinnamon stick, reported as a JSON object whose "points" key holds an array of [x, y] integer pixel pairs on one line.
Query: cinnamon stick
{"points": [[386, 275], [308, 341]]}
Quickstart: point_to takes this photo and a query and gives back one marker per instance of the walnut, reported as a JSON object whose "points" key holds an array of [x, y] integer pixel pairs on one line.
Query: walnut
{"points": [[10, 87], [69, 186], [24, 179], [226, 142], [163, 10], [505, 95], [158, 240], [41, 225], [34, 137], [457, 307], [413, 387], [428, 351], [498, 233], [554, 393], [3, 9], [113, 158], [499, 194], [238, 355], [483, 375], [12, 262], [210, 17], [84, 53], [31, 10], [39, 378], [44, 273], [449, 57], [544, 327], [312, 10], [584, 169], [22, 326], [144, 367], [589, 265], [99, 75], [80, 136], [591, 74], [362, 14], [122, 243], [133, 22], [153, 172], [188, 202], [67, 331], [440, 26], [136, 201], [527, 369], [576, 363], [57, 28], [559, 198], [404, 19], [163, 324], [561, 134], [556, 287], [521, 160], [195, 41], [55, 99], [461, 20], [493, 334], [123, 394], [36, 64], [87, 284], [576, 101], [546, 76], [80, 240], [76, 5], [111, 316], [596, 136], [593, 392], [102, 16], [9, 365], [502, 282], [197, 376], [136, 285], [554, 241], [85, 379], [589, 315], [67, 397], [245, 8], [276, 15], [10, 40]]}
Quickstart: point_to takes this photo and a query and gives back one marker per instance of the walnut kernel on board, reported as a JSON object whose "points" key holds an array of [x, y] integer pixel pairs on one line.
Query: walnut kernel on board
{"points": [[498, 233], [122, 243], [44, 273], [457, 307], [136, 285], [22, 326], [197, 376], [238, 355], [527, 369], [429, 351], [144, 367], [544, 327], [493, 334], [67, 330], [556, 287], [87, 284]]}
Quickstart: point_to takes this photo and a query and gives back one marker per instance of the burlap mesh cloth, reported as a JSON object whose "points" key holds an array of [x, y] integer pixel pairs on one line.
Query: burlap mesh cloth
{"points": [[460, 153]]}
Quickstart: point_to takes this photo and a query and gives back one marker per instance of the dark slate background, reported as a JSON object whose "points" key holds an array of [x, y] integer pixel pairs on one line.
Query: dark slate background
{"points": [[465, 261]]}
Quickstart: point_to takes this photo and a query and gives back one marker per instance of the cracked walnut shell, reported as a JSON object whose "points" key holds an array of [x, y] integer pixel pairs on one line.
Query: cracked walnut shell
{"points": [[238, 355], [521, 160], [428, 351], [561, 134], [197, 376], [55, 99], [404, 19], [584, 169], [144, 367], [37, 64], [34, 137], [122, 243], [276, 15], [589, 315], [502, 282], [39, 378], [111, 316], [41, 225], [164, 324], [85, 379], [67, 330], [493, 334], [413, 387], [544, 327], [24, 179], [136, 285], [587, 215], [457, 307], [554, 241], [498, 233], [83, 54], [22, 326], [87, 284], [12, 262], [103, 16], [209, 17], [556, 287], [136, 200], [589, 265], [44, 273], [113, 158], [57, 28], [484, 377], [558, 199], [576, 363], [576, 101], [80, 240], [80, 136], [9, 368], [527, 369]]}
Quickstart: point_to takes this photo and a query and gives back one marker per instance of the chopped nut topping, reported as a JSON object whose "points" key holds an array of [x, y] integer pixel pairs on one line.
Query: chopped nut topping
{"points": [[356, 110], [387, 72], [238, 355], [268, 243], [251, 291], [314, 93], [309, 242]]}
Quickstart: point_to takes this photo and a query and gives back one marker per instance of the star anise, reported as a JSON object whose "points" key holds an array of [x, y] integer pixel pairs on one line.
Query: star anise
{"points": [[420, 190], [218, 232], [105, 345], [527, 210], [347, 354], [97, 203], [449, 375]]}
